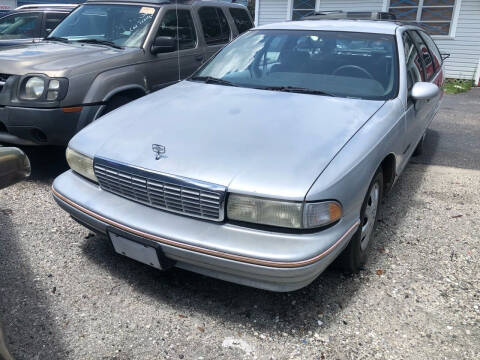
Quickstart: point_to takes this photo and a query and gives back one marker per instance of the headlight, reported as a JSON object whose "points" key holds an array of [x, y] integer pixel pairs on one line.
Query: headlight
{"points": [[43, 88], [297, 215], [81, 164], [34, 88]]}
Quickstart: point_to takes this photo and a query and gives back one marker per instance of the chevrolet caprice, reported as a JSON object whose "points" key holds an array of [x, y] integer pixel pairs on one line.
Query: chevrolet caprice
{"points": [[268, 163]]}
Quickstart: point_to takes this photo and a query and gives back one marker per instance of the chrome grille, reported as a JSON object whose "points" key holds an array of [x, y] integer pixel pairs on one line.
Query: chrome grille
{"points": [[162, 192]]}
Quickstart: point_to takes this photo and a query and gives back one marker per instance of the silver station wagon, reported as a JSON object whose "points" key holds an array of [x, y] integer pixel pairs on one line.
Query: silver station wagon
{"points": [[270, 161]]}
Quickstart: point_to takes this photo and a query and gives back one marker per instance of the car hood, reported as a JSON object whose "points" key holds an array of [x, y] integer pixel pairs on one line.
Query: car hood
{"points": [[252, 141], [56, 58]]}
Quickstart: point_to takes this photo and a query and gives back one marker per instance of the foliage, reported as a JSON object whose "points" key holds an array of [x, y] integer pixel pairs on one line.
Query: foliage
{"points": [[455, 86]]}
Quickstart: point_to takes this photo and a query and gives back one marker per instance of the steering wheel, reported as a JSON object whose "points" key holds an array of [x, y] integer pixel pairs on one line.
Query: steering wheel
{"points": [[354, 67]]}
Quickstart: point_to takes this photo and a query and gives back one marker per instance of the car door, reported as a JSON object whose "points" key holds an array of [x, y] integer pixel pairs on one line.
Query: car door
{"points": [[191, 55], [433, 74], [417, 110], [163, 68], [215, 29]]}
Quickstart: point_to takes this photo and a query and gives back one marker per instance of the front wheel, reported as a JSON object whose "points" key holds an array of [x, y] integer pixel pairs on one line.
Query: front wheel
{"points": [[355, 254]]}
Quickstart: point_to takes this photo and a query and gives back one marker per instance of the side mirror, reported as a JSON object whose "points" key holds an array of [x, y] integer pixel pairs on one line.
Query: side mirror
{"points": [[163, 44], [424, 91], [14, 166]]}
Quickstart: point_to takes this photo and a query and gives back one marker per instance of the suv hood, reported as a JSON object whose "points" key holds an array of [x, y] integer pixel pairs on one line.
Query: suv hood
{"points": [[56, 58], [257, 142]]}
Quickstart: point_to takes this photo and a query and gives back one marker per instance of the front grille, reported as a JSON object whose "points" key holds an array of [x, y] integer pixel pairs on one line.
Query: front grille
{"points": [[3, 79], [161, 191]]}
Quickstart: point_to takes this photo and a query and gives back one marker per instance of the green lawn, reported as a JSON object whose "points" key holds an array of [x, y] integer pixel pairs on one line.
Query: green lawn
{"points": [[455, 86]]}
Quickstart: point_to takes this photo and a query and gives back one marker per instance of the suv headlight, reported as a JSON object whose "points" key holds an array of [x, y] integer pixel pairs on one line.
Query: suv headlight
{"points": [[34, 88], [81, 164], [290, 214], [42, 88]]}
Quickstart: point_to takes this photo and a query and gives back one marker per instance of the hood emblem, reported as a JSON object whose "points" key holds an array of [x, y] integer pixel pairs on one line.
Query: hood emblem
{"points": [[159, 151]]}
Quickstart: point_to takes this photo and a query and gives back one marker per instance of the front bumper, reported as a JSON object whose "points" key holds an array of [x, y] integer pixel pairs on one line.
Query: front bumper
{"points": [[38, 126], [263, 259]]}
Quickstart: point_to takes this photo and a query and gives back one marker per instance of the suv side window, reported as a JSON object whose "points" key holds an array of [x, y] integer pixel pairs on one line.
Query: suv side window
{"points": [[241, 19], [187, 37], [426, 56], [215, 26], [415, 71], [52, 20], [20, 26], [437, 57]]}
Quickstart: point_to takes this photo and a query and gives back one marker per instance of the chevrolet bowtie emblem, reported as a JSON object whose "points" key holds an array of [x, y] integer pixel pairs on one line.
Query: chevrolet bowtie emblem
{"points": [[159, 151]]}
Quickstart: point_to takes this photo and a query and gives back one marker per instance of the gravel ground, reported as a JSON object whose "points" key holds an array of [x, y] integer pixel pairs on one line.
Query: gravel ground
{"points": [[64, 294]]}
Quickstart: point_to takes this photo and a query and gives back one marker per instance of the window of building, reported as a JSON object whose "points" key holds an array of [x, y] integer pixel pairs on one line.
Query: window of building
{"points": [[302, 8], [435, 16]]}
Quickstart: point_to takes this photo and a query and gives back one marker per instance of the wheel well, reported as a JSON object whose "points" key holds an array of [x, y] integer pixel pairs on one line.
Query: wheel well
{"points": [[130, 93], [388, 168]]}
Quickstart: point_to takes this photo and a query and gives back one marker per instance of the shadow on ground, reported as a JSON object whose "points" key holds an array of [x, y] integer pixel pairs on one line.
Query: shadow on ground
{"points": [[30, 330]]}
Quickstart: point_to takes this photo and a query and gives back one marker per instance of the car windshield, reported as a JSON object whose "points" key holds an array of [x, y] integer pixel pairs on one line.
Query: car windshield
{"points": [[345, 64], [119, 25]]}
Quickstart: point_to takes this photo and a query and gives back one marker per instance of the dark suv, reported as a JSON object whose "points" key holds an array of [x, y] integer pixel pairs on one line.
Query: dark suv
{"points": [[103, 55], [31, 22]]}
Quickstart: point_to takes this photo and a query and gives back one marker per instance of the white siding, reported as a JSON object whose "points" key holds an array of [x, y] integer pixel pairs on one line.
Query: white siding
{"points": [[465, 48], [270, 11], [351, 5]]}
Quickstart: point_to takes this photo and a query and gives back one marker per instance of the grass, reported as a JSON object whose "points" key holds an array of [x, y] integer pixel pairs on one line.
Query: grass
{"points": [[455, 86]]}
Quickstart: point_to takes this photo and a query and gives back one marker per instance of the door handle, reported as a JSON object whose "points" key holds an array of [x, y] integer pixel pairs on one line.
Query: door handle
{"points": [[199, 57]]}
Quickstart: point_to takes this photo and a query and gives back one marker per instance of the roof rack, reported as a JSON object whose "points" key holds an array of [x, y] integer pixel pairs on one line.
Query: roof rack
{"points": [[38, 6], [354, 15]]}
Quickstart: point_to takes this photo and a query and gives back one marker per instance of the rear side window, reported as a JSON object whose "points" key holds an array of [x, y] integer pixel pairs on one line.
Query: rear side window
{"points": [[426, 56], [215, 26], [187, 38], [52, 20], [437, 57], [414, 64], [241, 19]]}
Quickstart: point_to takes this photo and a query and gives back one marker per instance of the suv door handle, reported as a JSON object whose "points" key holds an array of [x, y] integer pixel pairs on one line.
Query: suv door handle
{"points": [[199, 57]]}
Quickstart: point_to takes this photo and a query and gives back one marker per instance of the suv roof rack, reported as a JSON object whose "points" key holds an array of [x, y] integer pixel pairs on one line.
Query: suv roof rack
{"points": [[354, 15], [44, 6]]}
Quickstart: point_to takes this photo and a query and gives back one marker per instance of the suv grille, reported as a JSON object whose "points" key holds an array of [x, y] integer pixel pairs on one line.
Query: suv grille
{"points": [[3, 79], [161, 191]]}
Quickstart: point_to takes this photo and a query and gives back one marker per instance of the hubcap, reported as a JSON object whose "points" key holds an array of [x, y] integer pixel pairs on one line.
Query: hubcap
{"points": [[369, 215]]}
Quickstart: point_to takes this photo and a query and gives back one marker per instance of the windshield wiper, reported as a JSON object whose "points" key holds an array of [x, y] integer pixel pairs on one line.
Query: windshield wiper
{"points": [[57, 38], [295, 89], [212, 80], [100, 42]]}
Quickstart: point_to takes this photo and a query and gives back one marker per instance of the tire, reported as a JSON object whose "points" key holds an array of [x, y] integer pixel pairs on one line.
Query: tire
{"points": [[420, 146], [115, 103], [354, 256]]}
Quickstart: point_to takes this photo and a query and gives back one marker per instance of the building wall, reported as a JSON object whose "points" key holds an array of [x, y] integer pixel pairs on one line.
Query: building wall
{"points": [[463, 45]]}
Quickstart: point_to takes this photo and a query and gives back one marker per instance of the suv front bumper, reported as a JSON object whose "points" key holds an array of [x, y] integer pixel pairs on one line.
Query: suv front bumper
{"points": [[258, 258], [38, 126]]}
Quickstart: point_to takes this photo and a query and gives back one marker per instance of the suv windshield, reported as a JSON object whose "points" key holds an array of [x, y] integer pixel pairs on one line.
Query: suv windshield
{"points": [[346, 64], [120, 25]]}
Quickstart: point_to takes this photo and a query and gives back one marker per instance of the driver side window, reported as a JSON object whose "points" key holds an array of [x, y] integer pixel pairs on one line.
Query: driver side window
{"points": [[415, 71]]}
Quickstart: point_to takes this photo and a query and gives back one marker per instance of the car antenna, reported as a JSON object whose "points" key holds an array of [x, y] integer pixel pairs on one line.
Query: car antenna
{"points": [[178, 41]]}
